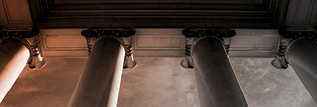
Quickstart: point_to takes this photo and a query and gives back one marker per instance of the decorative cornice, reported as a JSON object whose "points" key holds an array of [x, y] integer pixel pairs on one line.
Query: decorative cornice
{"points": [[48, 14], [294, 34], [217, 32]]}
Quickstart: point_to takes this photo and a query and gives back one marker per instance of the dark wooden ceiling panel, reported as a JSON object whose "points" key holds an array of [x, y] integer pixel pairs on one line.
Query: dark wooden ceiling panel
{"points": [[161, 13], [15, 14], [155, 6], [159, 1], [302, 14]]}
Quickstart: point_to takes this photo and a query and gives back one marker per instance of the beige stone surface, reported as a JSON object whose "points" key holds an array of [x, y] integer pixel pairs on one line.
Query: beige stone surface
{"points": [[158, 82]]}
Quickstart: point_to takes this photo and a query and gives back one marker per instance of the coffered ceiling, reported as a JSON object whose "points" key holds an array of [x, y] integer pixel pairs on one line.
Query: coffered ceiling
{"points": [[273, 14], [159, 13]]}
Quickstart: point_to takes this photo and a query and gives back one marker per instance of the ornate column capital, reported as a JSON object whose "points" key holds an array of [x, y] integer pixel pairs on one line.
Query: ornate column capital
{"points": [[196, 34], [31, 41], [287, 38], [123, 35]]}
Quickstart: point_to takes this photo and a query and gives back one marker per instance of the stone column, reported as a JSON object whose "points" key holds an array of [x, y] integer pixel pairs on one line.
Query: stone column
{"points": [[301, 53], [216, 81], [302, 56], [99, 83], [13, 58], [17, 48]]}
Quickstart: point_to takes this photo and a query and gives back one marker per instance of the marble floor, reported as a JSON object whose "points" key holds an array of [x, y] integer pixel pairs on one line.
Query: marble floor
{"points": [[158, 82]]}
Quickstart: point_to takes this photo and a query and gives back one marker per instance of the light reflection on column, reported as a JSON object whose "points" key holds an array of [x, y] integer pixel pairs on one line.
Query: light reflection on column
{"points": [[13, 58], [99, 83]]}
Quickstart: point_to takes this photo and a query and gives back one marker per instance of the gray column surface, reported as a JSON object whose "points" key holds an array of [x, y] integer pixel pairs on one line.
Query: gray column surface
{"points": [[216, 81], [13, 58], [302, 56], [99, 83]]}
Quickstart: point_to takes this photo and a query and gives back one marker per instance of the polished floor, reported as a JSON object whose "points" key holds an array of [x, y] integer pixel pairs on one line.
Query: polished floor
{"points": [[158, 82]]}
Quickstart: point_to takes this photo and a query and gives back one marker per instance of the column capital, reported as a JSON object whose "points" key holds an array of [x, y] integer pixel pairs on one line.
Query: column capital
{"points": [[287, 38], [30, 41], [123, 35], [193, 35], [217, 32], [295, 34]]}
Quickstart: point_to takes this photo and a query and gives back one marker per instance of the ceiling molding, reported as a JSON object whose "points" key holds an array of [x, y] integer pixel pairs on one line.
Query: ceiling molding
{"points": [[159, 42], [15, 15], [301, 14], [179, 14]]}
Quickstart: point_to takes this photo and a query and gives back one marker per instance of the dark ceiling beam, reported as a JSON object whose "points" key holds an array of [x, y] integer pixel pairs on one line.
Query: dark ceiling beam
{"points": [[39, 9], [179, 15], [159, 1], [157, 13], [280, 12], [159, 23], [166, 6]]}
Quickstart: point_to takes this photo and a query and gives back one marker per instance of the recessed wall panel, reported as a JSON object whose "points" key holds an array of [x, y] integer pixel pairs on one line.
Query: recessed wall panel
{"points": [[159, 42]]}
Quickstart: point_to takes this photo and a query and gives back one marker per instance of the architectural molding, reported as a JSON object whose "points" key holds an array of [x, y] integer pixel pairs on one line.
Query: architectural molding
{"points": [[194, 35], [32, 43], [15, 15], [287, 38], [301, 14], [146, 14], [123, 35]]}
